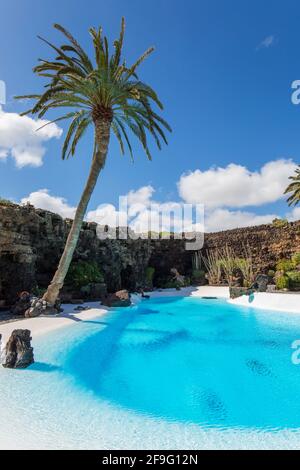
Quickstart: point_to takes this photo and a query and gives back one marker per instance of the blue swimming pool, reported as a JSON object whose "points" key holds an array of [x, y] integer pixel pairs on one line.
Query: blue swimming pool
{"points": [[169, 372]]}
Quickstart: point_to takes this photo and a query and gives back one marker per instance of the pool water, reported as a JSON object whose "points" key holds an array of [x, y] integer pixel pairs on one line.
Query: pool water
{"points": [[170, 372]]}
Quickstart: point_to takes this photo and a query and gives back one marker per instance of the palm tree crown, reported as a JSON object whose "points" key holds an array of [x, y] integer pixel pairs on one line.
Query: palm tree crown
{"points": [[103, 88], [294, 188]]}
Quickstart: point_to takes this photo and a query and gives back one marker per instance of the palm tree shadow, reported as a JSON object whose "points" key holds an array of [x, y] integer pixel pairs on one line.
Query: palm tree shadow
{"points": [[43, 367]]}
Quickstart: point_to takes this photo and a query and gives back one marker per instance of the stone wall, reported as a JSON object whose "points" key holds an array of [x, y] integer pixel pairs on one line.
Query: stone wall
{"points": [[32, 240], [267, 243]]}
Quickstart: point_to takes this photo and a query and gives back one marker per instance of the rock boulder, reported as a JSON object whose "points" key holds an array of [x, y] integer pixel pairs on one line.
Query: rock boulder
{"points": [[118, 299], [18, 353]]}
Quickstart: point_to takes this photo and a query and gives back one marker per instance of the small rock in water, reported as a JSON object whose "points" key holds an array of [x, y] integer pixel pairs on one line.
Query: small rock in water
{"points": [[118, 299], [18, 353]]}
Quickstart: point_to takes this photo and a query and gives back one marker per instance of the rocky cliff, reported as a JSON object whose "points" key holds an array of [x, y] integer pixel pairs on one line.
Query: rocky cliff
{"points": [[32, 240]]}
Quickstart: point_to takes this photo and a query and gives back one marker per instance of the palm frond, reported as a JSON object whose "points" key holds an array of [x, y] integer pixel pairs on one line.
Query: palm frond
{"points": [[294, 188], [103, 87]]}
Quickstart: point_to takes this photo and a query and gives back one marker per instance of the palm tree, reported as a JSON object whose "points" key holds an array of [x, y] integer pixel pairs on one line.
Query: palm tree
{"points": [[104, 93], [294, 188]]}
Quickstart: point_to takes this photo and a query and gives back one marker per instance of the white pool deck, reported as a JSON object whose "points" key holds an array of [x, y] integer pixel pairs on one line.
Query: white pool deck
{"points": [[268, 301]]}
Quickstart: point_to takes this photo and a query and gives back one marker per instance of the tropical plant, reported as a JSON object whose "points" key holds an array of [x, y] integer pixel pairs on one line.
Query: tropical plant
{"points": [[213, 266], [282, 282], [103, 93], [245, 265], [296, 260], [149, 275], [284, 265], [294, 280], [83, 273], [294, 188], [228, 263], [198, 275]]}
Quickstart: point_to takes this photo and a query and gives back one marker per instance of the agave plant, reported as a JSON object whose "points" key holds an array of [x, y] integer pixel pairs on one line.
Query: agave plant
{"points": [[294, 188], [104, 93], [213, 266]]}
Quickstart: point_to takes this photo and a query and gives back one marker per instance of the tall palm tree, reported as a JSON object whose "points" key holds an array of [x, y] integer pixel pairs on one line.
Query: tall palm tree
{"points": [[104, 93], [294, 188]]}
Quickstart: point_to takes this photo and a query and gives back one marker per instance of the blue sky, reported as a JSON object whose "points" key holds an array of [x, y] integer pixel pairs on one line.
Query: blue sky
{"points": [[223, 71]]}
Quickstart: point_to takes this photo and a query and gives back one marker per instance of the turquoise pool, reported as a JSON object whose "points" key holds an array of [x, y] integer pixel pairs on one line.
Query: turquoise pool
{"points": [[171, 372]]}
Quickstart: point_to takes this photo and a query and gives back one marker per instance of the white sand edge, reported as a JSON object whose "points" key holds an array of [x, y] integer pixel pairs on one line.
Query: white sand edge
{"points": [[202, 291], [270, 301], [45, 324], [41, 325]]}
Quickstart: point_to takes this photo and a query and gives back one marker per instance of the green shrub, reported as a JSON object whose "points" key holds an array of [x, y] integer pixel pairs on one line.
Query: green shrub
{"points": [[83, 273], [283, 282], [172, 284], [296, 260], [285, 265], [294, 280], [280, 222], [6, 202], [149, 274], [198, 275], [271, 273], [38, 291]]}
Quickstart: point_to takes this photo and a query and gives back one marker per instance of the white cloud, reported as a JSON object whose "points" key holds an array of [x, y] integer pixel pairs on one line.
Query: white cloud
{"points": [[107, 214], [267, 42], [139, 200], [20, 139], [236, 186], [221, 189], [43, 200], [224, 219], [294, 214]]}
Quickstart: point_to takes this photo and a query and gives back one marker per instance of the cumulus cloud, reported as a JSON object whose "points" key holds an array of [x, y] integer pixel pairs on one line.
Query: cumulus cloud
{"points": [[224, 219], [20, 139], [139, 200], [41, 199], [223, 190], [236, 186], [107, 214], [165, 217], [294, 214]]}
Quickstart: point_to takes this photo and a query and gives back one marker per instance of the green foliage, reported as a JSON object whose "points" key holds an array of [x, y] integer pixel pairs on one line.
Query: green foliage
{"points": [[83, 273], [271, 273], [38, 291], [280, 222], [283, 282], [296, 259], [198, 275], [149, 274], [285, 265], [6, 202], [294, 280], [294, 188], [213, 266], [172, 284], [98, 90], [245, 265]]}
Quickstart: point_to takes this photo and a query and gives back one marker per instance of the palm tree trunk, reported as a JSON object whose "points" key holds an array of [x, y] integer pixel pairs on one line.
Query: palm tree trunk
{"points": [[102, 134]]}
